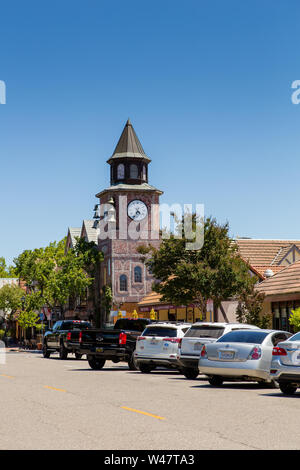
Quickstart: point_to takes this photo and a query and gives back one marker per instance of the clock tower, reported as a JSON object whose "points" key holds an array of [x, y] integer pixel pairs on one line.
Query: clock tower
{"points": [[128, 218]]}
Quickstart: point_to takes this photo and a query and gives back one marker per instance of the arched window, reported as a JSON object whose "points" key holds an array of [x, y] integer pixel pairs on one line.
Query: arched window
{"points": [[120, 172], [137, 274], [133, 171], [123, 282]]}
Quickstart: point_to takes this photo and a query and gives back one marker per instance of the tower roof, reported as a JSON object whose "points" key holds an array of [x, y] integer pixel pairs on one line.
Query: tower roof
{"points": [[128, 145]]}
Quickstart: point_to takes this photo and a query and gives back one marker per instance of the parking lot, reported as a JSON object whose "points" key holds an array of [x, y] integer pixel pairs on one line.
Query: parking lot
{"points": [[64, 404]]}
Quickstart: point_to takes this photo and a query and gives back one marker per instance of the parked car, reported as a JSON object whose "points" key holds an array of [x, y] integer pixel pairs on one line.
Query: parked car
{"points": [[158, 345], [285, 366], [115, 344], [56, 338], [244, 355], [202, 333]]}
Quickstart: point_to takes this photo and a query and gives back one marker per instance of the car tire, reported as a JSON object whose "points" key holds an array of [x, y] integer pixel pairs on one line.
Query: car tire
{"points": [[287, 389], [216, 381], [190, 373], [132, 363], [96, 364], [63, 353], [145, 368], [46, 352], [78, 356]]}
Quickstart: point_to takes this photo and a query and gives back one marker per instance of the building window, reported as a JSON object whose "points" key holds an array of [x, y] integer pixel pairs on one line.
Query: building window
{"points": [[123, 283], [144, 173], [133, 171], [137, 274], [121, 172]]}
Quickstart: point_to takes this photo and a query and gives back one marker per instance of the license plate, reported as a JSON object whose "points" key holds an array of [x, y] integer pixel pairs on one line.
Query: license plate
{"points": [[226, 355], [99, 350], [153, 341], [197, 346]]}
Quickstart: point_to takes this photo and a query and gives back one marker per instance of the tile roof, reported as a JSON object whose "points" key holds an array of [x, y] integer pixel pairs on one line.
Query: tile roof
{"points": [[150, 299], [286, 281], [265, 254]]}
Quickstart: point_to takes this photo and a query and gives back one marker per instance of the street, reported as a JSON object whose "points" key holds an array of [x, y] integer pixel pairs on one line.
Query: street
{"points": [[63, 404]]}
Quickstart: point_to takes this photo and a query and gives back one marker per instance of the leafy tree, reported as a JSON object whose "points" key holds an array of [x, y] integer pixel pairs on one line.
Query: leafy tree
{"points": [[52, 276], [11, 301], [294, 319], [6, 271], [250, 307], [27, 319], [216, 271]]}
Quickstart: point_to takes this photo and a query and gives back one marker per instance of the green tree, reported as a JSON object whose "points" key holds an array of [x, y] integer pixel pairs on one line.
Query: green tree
{"points": [[250, 306], [52, 276], [294, 319], [216, 271], [27, 319], [11, 301], [6, 271]]}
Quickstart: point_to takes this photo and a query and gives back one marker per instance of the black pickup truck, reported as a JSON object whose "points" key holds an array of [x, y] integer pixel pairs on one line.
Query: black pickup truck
{"points": [[116, 344], [56, 339]]}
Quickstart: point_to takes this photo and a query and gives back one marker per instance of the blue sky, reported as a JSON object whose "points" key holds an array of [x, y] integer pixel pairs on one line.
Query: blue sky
{"points": [[206, 84]]}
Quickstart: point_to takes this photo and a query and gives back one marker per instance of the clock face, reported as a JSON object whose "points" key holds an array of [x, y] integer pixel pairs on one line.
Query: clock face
{"points": [[137, 210]]}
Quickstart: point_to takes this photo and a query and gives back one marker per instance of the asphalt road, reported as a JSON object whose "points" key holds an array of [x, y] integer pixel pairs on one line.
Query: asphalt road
{"points": [[54, 404]]}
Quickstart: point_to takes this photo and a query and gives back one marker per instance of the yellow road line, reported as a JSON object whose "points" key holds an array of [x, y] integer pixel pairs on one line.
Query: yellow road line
{"points": [[7, 376], [53, 388], [142, 413]]}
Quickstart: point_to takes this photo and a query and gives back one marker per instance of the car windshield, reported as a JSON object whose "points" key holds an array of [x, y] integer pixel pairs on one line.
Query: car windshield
{"points": [[205, 332], [160, 331], [244, 336], [295, 337]]}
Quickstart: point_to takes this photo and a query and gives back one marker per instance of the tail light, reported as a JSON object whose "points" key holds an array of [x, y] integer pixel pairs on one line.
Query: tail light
{"points": [[203, 351], [279, 351], [80, 337], [255, 353], [140, 338], [173, 340], [122, 338], [69, 336]]}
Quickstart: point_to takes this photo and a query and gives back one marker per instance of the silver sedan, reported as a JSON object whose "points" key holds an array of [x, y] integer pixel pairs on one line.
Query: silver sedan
{"points": [[241, 355]]}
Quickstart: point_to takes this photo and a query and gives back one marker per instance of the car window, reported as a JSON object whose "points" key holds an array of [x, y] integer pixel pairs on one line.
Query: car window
{"points": [[278, 337], [77, 325], [295, 337], [184, 330], [127, 324], [56, 325], [244, 336], [160, 331], [205, 332]]}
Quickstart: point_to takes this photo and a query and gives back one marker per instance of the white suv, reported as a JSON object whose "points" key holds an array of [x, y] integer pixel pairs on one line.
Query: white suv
{"points": [[158, 345], [202, 333]]}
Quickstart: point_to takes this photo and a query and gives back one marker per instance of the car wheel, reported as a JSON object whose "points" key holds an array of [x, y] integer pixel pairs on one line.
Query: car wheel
{"points": [[96, 364], [78, 356], [63, 353], [145, 368], [190, 373], [215, 381], [132, 363], [46, 353], [287, 389]]}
